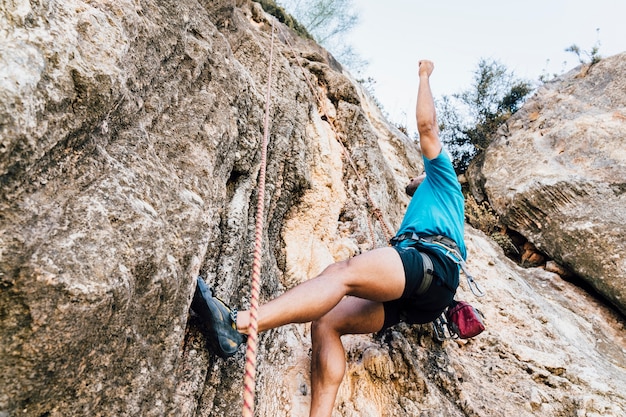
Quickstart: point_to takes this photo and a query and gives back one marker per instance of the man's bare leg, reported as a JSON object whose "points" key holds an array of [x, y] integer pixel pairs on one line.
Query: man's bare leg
{"points": [[368, 279], [328, 363], [377, 275]]}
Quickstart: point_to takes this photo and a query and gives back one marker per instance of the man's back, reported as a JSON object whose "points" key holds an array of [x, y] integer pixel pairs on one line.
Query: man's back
{"points": [[437, 207]]}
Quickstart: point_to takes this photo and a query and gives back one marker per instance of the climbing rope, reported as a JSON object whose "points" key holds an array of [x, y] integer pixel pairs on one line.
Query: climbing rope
{"points": [[251, 350], [377, 212], [252, 343]]}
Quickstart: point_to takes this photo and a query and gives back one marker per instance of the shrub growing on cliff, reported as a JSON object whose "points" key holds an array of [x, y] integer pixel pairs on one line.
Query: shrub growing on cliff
{"points": [[278, 12], [324, 19], [328, 21], [469, 120]]}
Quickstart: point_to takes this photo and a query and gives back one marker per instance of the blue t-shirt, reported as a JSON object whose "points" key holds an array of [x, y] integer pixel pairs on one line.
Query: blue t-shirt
{"points": [[437, 207]]}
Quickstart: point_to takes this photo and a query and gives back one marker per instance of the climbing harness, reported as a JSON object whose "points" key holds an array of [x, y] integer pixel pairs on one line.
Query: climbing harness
{"points": [[459, 320], [428, 274], [251, 349], [451, 251]]}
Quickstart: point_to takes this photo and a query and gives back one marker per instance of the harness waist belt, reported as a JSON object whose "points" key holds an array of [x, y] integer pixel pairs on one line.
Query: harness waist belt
{"points": [[452, 252], [440, 239]]}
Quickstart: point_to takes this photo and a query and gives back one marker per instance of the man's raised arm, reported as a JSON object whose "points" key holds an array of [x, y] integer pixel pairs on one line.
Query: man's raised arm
{"points": [[425, 113]]}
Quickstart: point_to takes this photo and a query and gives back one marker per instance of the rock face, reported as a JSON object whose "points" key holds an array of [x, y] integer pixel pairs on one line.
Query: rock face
{"points": [[557, 174], [129, 155]]}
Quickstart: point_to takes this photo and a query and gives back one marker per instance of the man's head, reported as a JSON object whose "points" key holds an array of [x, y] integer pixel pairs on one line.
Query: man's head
{"points": [[415, 182]]}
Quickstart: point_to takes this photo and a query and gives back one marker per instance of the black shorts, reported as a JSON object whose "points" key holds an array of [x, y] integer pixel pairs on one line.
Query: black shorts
{"points": [[424, 308]]}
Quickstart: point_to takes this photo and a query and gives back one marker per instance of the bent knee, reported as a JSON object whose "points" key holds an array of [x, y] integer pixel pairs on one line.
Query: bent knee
{"points": [[342, 272], [337, 267], [325, 325]]}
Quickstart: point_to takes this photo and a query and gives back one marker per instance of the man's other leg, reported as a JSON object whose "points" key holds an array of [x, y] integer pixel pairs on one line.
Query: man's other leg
{"points": [[328, 362]]}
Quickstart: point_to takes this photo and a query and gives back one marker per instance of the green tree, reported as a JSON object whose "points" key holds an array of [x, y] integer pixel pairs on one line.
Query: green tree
{"points": [[468, 121]]}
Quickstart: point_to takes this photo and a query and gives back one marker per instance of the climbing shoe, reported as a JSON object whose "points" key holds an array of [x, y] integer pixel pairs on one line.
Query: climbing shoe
{"points": [[219, 321]]}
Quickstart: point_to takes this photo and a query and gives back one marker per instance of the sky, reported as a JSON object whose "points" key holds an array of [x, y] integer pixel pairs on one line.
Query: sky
{"points": [[528, 37]]}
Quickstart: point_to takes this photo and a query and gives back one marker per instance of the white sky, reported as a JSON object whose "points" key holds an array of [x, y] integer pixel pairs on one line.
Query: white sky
{"points": [[528, 37]]}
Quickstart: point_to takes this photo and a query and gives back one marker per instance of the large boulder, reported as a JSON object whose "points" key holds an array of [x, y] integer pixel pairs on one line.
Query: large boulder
{"points": [[129, 156], [557, 174]]}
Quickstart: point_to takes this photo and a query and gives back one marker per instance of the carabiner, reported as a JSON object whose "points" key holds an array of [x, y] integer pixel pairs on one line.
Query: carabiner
{"points": [[476, 290]]}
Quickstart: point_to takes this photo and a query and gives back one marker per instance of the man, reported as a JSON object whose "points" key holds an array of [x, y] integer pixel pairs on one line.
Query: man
{"points": [[374, 290]]}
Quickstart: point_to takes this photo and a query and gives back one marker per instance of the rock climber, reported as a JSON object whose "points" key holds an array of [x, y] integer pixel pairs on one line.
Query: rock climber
{"points": [[373, 290]]}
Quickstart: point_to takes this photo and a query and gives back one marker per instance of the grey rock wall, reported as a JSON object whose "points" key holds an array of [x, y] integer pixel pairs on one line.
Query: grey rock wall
{"points": [[129, 155]]}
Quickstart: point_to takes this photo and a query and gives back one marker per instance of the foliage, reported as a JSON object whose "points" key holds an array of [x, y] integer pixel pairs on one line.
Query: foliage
{"points": [[468, 121], [327, 21], [592, 55], [586, 58], [482, 217], [324, 19], [279, 13]]}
